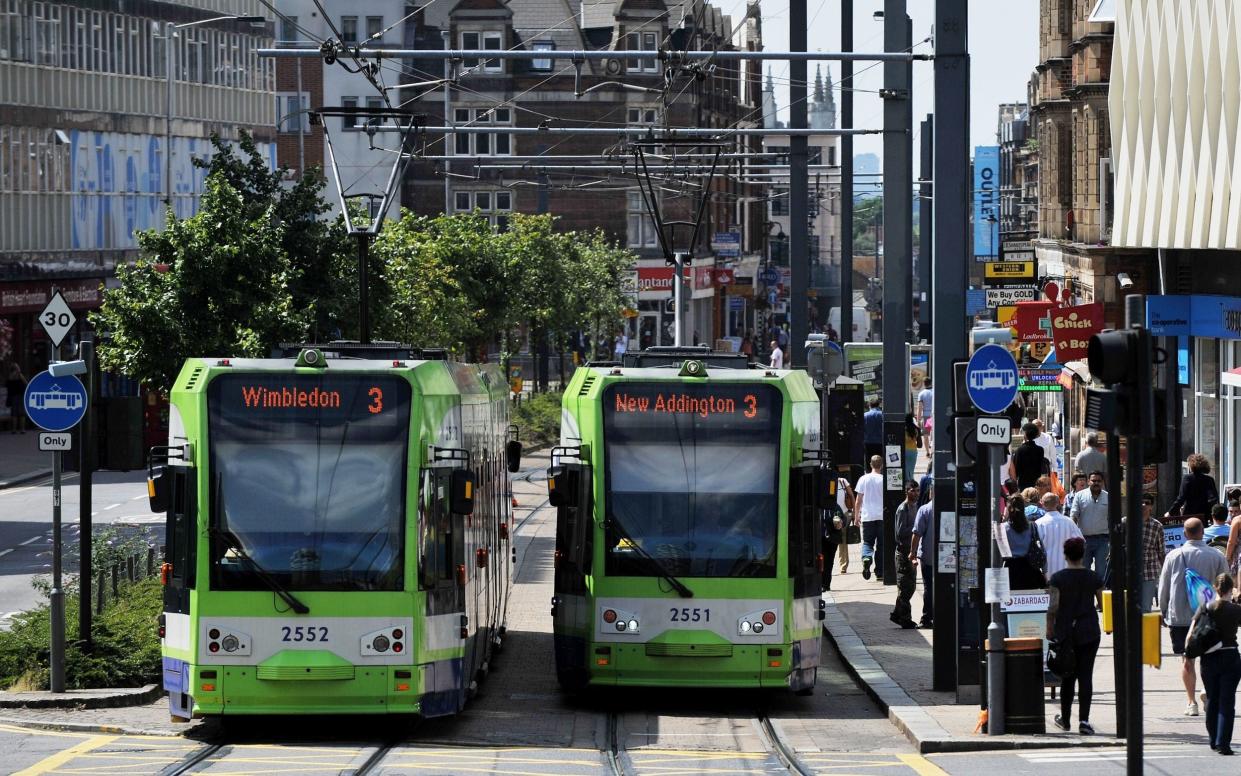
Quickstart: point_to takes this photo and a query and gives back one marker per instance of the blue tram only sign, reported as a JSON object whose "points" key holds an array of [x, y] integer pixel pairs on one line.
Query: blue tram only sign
{"points": [[55, 403], [991, 379]]}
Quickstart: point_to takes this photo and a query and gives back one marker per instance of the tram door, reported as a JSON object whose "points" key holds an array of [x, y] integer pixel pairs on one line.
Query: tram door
{"points": [[442, 576], [575, 531], [180, 537], [805, 530]]}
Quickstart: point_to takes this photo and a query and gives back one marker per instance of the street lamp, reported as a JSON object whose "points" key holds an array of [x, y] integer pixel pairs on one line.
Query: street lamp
{"points": [[170, 35]]}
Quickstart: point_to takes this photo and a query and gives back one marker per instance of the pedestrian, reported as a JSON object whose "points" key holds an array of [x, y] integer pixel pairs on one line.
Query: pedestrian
{"points": [[1028, 556], [1154, 550], [926, 405], [833, 537], [1078, 482], [872, 426], [906, 574], [622, 345], [1054, 529], [1074, 624], [1091, 458], [923, 550], [868, 513], [1216, 533], [15, 388], [1089, 510], [913, 443], [1029, 463], [1033, 499], [926, 485], [1198, 491], [1221, 666], [747, 345], [832, 334], [1046, 443], [1232, 553], [1174, 603], [777, 356], [845, 503]]}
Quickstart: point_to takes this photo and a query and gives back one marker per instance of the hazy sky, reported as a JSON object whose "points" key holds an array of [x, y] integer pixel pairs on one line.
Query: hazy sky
{"points": [[1003, 45]]}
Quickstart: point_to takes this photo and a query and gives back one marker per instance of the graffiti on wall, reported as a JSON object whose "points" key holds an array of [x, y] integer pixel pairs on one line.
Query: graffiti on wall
{"points": [[118, 184]]}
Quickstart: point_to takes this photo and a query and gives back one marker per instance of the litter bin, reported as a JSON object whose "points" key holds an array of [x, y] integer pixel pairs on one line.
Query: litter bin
{"points": [[1023, 686]]}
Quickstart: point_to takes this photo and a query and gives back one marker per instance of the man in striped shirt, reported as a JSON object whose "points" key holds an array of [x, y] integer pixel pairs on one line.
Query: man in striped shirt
{"points": [[1055, 529]]}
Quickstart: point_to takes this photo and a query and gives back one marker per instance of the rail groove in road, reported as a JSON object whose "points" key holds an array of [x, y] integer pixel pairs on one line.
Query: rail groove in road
{"points": [[784, 752], [191, 761]]}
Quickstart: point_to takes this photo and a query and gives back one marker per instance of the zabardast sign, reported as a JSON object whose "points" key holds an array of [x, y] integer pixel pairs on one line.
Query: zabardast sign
{"points": [[1009, 270], [986, 202], [1072, 328]]}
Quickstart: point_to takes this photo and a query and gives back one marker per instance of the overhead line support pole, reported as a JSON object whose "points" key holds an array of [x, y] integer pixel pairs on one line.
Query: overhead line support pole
{"points": [[846, 175], [799, 192], [606, 54]]}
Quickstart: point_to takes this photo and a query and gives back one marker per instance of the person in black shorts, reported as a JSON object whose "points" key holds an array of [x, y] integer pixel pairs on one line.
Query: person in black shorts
{"points": [[1072, 620]]}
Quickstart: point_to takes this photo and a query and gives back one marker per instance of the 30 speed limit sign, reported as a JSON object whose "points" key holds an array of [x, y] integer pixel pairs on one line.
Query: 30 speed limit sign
{"points": [[57, 319]]}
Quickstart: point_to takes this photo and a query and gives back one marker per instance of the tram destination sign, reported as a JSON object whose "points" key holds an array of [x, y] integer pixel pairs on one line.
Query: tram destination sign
{"points": [[247, 397], [723, 406]]}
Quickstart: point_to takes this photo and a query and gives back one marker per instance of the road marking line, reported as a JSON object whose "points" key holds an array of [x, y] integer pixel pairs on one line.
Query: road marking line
{"points": [[110, 506], [4, 552], [921, 766], [31, 540], [66, 756]]}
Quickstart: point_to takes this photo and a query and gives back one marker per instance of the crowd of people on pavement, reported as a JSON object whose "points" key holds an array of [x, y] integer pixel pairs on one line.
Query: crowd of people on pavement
{"points": [[1060, 540]]}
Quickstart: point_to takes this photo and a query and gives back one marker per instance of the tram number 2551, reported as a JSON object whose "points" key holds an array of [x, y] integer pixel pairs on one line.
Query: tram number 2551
{"points": [[690, 614]]}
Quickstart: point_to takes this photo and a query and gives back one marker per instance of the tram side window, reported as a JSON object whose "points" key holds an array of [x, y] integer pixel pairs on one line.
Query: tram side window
{"points": [[803, 536], [435, 534], [181, 528]]}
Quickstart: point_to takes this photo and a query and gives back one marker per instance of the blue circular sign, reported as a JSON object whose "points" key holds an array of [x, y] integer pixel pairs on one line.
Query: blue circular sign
{"points": [[55, 403], [991, 379]]}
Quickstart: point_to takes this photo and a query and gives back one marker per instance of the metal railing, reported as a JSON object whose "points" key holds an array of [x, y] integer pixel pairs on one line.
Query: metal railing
{"points": [[111, 581]]}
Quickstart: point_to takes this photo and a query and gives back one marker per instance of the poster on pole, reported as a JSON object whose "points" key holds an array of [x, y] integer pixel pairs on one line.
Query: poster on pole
{"points": [[986, 202]]}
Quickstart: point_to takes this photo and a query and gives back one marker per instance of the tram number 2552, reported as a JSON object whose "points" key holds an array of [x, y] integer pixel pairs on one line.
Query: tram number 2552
{"points": [[690, 614], [303, 633]]}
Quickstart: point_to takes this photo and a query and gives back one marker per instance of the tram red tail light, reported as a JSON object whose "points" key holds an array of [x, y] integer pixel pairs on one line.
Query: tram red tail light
{"points": [[461, 574], [504, 530], [609, 616], [165, 572], [820, 562], [769, 618], [213, 647], [398, 647], [480, 557]]}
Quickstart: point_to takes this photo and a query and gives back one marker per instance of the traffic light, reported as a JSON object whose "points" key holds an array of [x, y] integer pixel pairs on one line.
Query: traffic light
{"points": [[1124, 361]]}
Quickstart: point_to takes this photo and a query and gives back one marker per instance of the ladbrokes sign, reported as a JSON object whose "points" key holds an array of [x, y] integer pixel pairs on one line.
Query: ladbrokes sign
{"points": [[1072, 328]]}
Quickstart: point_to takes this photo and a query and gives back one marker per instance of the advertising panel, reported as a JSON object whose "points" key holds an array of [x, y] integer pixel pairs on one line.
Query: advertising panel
{"points": [[986, 202]]}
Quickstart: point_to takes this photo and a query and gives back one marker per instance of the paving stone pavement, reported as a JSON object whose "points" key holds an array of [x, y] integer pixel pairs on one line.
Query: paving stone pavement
{"points": [[895, 666]]}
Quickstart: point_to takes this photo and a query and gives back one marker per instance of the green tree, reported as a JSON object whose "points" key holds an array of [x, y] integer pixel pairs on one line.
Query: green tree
{"points": [[597, 287], [867, 218], [218, 283]]}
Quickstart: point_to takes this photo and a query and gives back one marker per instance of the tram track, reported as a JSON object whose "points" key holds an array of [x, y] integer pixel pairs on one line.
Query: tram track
{"points": [[780, 748], [612, 754], [191, 761]]}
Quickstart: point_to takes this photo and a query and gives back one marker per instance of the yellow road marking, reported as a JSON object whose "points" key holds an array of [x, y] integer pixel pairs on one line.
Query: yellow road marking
{"points": [[921, 765], [42, 732], [64, 756]]}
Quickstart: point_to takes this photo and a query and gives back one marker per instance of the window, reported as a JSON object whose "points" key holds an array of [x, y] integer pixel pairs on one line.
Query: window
{"points": [[504, 200], [493, 41], [483, 143], [493, 205], [291, 113], [288, 29], [461, 200], [348, 122], [348, 29], [14, 37], [641, 228], [542, 64], [375, 28], [779, 202], [470, 41], [643, 116], [642, 41]]}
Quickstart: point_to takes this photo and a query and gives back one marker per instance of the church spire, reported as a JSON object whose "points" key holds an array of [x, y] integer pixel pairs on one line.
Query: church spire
{"points": [[818, 83]]}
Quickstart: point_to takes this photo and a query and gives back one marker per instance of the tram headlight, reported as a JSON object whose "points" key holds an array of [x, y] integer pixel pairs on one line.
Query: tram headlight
{"points": [[633, 625], [620, 626], [758, 627], [745, 627], [229, 643], [380, 644], [759, 621], [613, 619]]}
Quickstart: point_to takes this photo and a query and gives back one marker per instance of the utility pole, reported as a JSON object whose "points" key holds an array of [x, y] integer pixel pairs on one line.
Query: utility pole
{"points": [[846, 175], [86, 352], [897, 212], [949, 279], [926, 230], [799, 192], [1135, 314]]}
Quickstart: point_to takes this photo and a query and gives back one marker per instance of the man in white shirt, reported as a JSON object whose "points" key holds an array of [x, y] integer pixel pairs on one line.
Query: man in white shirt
{"points": [[1045, 441], [1054, 529], [777, 356], [868, 513]]}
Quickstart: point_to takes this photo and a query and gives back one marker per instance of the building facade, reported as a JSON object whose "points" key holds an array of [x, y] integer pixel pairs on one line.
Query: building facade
{"points": [[1174, 135], [84, 156], [1018, 202]]}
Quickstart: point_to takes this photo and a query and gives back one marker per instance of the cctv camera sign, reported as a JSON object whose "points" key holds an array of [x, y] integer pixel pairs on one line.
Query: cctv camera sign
{"points": [[1072, 328]]}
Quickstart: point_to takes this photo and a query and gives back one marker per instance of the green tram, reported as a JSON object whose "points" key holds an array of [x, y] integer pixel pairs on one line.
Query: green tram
{"points": [[689, 493], [337, 526]]}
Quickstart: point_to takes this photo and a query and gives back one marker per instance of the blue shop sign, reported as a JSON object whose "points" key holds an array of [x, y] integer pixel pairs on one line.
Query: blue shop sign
{"points": [[1194, 315]]}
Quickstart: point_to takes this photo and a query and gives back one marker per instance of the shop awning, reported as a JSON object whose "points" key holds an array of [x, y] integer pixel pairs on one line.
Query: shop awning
{"points": [[1074, 369], [1231, 377]]}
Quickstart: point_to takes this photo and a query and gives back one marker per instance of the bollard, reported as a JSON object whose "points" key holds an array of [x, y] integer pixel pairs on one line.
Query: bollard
{"points": [[99, 589], [116, 580], [150, 561], [129, 568]]}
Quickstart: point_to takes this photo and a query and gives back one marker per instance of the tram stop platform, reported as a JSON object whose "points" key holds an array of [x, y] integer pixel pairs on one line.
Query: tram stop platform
{"points": [[894, 667]]}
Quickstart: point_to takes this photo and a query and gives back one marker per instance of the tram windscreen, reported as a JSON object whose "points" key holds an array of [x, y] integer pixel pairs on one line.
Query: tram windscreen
{"points": [[692, 473], [308, 473]]}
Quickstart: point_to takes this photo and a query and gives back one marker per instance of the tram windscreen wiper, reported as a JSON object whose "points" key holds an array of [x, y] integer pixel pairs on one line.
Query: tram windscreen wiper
{"points": [[267, 579], [651, 560]]}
